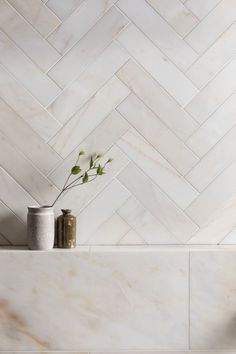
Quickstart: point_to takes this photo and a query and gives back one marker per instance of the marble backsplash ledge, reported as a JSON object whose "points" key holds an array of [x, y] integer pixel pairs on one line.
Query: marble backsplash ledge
{"points": [[91, 301]]}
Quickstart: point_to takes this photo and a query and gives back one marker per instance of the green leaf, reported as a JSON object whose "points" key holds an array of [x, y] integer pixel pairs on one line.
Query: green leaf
{"points": [[75, 170], [85, 178], [100, 170], [91, 162]]}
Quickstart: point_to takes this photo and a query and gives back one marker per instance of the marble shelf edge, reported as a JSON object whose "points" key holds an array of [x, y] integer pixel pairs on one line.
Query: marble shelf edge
{"points": [[123, 248]]}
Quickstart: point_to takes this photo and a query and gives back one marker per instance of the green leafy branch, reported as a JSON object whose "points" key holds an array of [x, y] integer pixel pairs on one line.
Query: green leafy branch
{"points": [[95, 169]]}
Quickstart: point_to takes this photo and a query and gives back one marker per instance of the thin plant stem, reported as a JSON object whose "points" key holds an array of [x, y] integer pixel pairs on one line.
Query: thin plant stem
{"points": [[73, 183], [79, 184]]}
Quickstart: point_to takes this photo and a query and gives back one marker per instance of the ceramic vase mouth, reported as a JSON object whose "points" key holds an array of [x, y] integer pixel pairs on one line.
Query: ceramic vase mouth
{"points": [[40, 207]]}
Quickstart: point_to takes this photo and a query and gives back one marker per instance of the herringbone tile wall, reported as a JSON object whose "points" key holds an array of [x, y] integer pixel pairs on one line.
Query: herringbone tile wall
{"points": [[150, 83]]}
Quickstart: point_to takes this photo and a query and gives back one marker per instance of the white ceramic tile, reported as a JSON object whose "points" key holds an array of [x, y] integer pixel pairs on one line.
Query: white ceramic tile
{"points": [[153, 95], [157, 168], [217, 227], [110, 232], [63, 9], [132, 238], [28, 74], [230, 239], [26, 106], [26, 140], [11, 227], [140, 284], [80, 22], [213, 94], [214, 197], [212, 26], [26, 38], [101, 209], [89, 117], [25, 173], [218, 124], [87, 49], [100, 140], [93, 78], [153, 60], [176, 14], [213, 302], [151, 230], [214, 162], [210, 63], [14, 196], [201, 7], [80, 197], [155, 201], [4, 241], [157, 134], [37, 14], [160, 33]]}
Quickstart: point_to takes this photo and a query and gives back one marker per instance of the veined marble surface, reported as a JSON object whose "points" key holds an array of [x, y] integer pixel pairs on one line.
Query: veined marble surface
{"points": [[118, 299], [93, 300], [213, 300]]}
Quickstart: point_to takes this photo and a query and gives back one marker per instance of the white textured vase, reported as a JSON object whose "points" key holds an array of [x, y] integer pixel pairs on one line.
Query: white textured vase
{"points": [[40, 228]]}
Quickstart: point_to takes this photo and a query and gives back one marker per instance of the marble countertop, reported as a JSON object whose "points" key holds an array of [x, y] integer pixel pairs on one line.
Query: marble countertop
{"points": [[140, 248]]}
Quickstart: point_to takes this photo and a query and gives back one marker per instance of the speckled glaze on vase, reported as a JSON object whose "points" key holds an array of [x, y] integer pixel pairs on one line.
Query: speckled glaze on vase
{"points": [[40, 228], [66, 230]]}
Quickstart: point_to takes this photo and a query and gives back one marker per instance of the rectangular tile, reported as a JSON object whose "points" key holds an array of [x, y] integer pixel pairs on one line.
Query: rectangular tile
{"points": [[214, 162], [12, 228], [131, 238], [141, 284], [81, 197], [63, 9], [214, 197], [213, 94], [28, 74], [37, 14], [176, 14], [92, 79], [217, 125], [26, 106], [210, 63], [81, 21], [100, 210], [155, 201], [217, 227], [157, 134], [201, 7], [28, 142], [89, 117], [110, 232], [212, 296], [212, 26], [31, 42], [4, 241], [153, 60], [150, 229], [36, 184], [100, 140], [14, 196], [88, 48], [230, 239], [153, 95], [157, 168], [159, 32]]}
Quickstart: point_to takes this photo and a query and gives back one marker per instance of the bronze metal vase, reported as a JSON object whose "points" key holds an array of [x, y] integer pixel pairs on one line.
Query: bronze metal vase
{"points": [[66, 230]]}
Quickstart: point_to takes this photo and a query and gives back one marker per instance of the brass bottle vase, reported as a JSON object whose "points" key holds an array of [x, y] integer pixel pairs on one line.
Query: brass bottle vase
{"points": [[66, 230]]}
